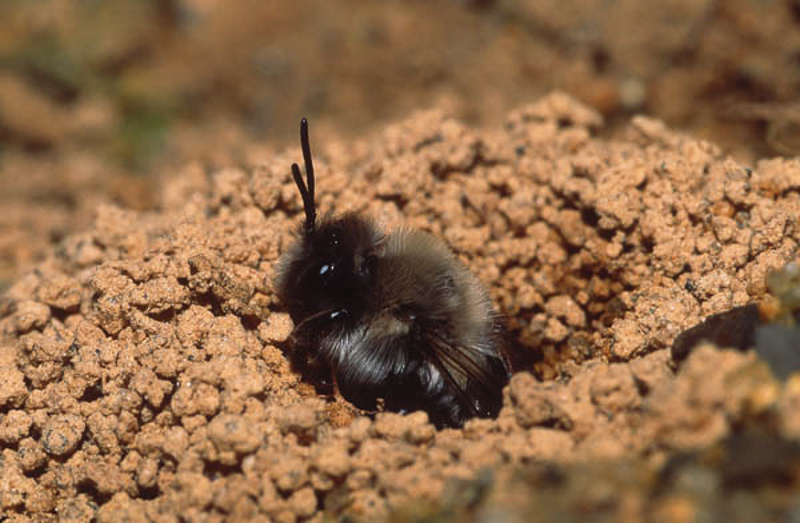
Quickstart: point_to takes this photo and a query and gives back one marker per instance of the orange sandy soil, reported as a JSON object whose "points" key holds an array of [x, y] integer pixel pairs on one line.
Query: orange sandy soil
{"points": [[144, 372], [92, 91], [144, 158]]}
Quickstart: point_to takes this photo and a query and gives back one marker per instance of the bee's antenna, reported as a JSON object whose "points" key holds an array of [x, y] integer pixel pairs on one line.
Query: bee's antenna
{"points": [[306, 189]]}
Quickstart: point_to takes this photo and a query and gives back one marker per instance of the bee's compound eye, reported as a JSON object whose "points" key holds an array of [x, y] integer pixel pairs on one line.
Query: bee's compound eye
{"points": [[367, 267], [326, 269]]}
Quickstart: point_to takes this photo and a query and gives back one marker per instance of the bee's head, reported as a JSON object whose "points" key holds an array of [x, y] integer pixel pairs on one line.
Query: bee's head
{"points": [[329, 272]]}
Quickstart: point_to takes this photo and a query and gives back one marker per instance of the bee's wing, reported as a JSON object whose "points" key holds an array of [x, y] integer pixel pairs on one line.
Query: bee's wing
{"points": [[476, 379]]}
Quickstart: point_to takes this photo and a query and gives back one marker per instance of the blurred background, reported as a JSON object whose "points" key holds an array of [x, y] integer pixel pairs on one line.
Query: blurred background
{"points": [[100, 97]]}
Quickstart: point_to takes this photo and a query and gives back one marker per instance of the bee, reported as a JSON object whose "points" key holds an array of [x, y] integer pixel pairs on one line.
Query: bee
{"points": [[393, 321]]}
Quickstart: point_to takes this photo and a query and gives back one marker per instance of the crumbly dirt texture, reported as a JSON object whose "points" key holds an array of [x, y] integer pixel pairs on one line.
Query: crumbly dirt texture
{"points": [[97, 97], [143, 364]]}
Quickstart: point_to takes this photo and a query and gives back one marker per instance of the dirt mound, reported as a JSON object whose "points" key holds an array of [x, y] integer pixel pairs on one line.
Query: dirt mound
{"points": [[143, 362]]}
